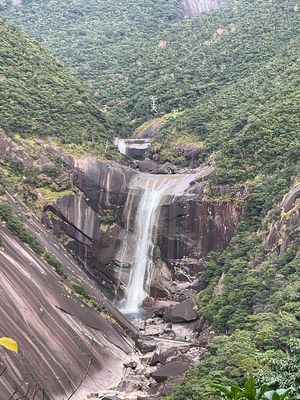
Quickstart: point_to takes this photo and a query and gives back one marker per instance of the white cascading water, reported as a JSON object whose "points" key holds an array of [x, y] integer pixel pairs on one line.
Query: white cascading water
{"points": [[122, 147], [157, 190], [147, 215]]}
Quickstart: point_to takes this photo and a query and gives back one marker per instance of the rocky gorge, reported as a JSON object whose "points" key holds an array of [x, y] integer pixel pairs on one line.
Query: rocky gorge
{"points": [[143, 236], [149, 199], [119, 219], [98, 225]]}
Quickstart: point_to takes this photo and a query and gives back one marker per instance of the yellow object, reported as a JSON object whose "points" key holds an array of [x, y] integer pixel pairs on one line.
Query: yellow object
{"points": [[9, 344]]}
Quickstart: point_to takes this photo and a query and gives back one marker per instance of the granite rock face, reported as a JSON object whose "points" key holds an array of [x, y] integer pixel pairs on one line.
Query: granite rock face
{"points": [[286, 228], [193, 8], [95, 224], [59, 337]]}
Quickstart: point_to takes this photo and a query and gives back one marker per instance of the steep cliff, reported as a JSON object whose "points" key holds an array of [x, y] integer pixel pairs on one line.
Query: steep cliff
{"points": [[193, 8], [252, 294], [64, 344], [285, 230], [97, 224]]}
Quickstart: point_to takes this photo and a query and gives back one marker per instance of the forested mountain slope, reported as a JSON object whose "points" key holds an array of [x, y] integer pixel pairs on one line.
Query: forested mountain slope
{"points": [[99, 40], [235, 75], [131, 51], [250, 297], [247, 128], [40, 97]]}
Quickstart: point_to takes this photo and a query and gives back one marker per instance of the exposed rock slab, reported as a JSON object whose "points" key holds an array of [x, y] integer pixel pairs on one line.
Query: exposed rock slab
{"points": [[55, 331], [286, 228], [189, 225], [193, 8]]}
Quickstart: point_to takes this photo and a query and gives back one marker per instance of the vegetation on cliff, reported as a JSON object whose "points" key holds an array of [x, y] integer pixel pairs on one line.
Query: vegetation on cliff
{"points": [[40, 97], [250, 129]]}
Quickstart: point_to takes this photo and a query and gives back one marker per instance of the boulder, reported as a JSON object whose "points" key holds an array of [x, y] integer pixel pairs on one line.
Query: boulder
{"points": [[184, 312], [130, 364], [148, 302], [186, 293], [167, 314], [166, 388], [159, 312], [153, 330], [147, 345], [147, 166], [166, 169], [133, 384], [110, 398], [172, 369], [155, 359], [164, 356], [169, 334]]}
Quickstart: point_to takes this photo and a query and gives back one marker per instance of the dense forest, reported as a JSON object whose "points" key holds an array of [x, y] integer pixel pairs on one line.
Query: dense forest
{"points": [[231, 79], [129, 52], [40, 97], [101, 42]]}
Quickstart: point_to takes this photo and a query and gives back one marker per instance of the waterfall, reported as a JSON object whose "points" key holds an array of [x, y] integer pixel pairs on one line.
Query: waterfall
{"points": [[122, 147], [133, 148], [146, 218], [156, 191]]}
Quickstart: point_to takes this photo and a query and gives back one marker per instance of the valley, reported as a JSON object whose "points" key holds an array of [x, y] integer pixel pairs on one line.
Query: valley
{"points": [[149, 199]]}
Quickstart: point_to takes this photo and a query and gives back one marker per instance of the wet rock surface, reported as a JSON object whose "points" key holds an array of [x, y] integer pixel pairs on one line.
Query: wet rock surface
{"points": [[95, 226]]}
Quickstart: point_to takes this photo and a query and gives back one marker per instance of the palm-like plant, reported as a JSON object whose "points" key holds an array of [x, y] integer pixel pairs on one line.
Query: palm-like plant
{"points": [[249, 392]]}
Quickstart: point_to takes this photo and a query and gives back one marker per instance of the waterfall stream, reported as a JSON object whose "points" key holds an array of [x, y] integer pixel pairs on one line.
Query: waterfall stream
{"points": [[150, 192]]}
